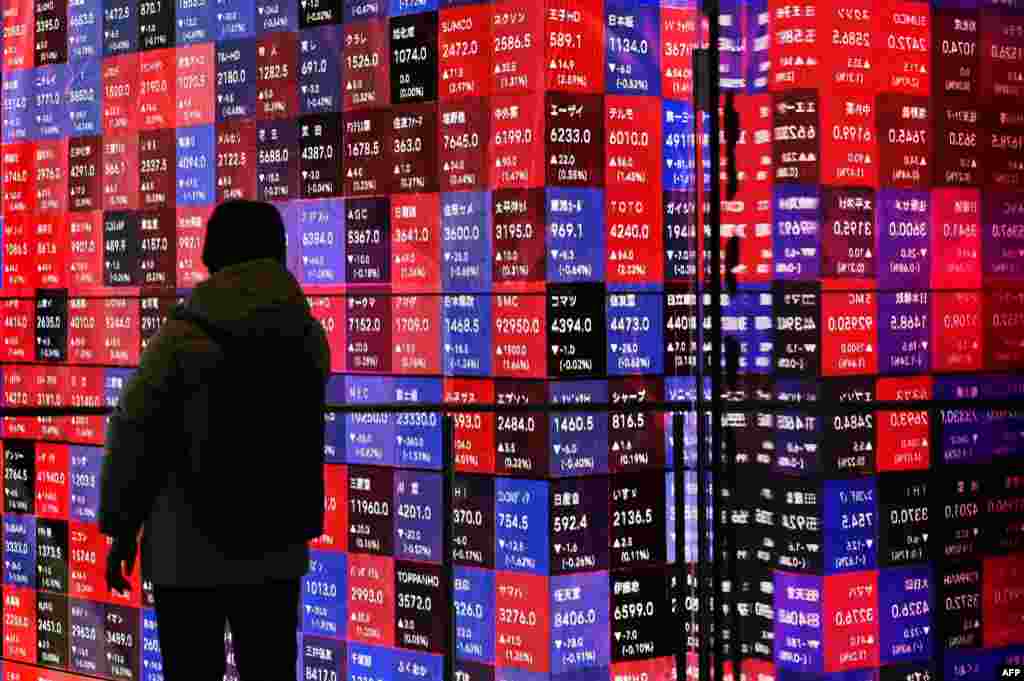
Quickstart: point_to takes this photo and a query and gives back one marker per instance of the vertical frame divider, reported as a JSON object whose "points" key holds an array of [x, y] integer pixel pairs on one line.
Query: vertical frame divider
{"points": [[679, 488], [937, 472], [447, 505]]}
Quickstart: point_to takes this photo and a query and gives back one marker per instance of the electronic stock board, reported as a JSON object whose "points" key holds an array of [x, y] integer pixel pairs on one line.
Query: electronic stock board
{"points": [[497, 202]]}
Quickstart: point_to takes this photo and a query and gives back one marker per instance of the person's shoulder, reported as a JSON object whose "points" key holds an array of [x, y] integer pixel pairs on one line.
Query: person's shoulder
{"points": [[179, 331]]}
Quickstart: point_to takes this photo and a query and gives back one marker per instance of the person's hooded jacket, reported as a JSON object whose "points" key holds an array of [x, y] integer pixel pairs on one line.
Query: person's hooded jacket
{"points": [[141, 477]]}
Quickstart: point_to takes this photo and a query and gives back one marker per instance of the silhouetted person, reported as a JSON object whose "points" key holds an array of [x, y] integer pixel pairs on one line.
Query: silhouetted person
{"points": [[215, 452]]}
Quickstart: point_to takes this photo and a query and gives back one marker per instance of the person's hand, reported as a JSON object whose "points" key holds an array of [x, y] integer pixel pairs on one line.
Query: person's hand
{"points": [[120, 563]]}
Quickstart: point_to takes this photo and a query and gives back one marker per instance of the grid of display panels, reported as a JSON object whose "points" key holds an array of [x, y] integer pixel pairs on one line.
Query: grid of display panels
{"points": [[495, 203]]}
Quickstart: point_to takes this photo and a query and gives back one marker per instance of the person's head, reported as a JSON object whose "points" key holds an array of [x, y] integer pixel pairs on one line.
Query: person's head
{"points": [[239, 231]]}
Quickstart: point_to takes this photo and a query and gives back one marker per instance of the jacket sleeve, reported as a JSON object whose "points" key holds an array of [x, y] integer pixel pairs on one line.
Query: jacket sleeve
{"points": [[140, 437]]}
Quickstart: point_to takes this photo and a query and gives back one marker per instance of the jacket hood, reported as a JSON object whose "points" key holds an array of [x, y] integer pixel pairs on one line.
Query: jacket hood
{"points": [[245, 298]]}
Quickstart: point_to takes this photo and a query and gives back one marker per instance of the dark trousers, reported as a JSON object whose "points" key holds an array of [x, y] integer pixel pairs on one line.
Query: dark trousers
{"points": [[263, 621]]}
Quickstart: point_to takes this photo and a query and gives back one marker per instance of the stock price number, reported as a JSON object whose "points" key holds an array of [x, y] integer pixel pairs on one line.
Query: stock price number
{"points": [[367, 595], [408, 145], [463, 325], [905, 516], [232, 159], [312, 239], [469, 421], [520, 326], [1008, 142], [467, 140], [278, 155], [631, 138], [364, 148], [513, 136], [320, 588], [570, 136], [570, 523], [460, 49], [905, 322], [356, 62], [626, 45], [418, 419], [407, 55], [513, 521], [576, 618], [633, 517], [365, 324], [412, 235], [416, 602], [854, 521], [519, 231], [911, 609], [232, 77], [363, 237], [572, 325], [120, 638], [579, 423], [508, 43], [566, 230], [113, 14], [468, 516], [851, 133], [628, 611], [273, 71], [516, 616], [461, 232], [904, 136], [318, 152], [853, 616], [82, 632], [630, 324], [631, 421], [562, 40], [851, 38], [370, 506], [415, 512], [314, 67], [46, 24], [962, 139]]}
